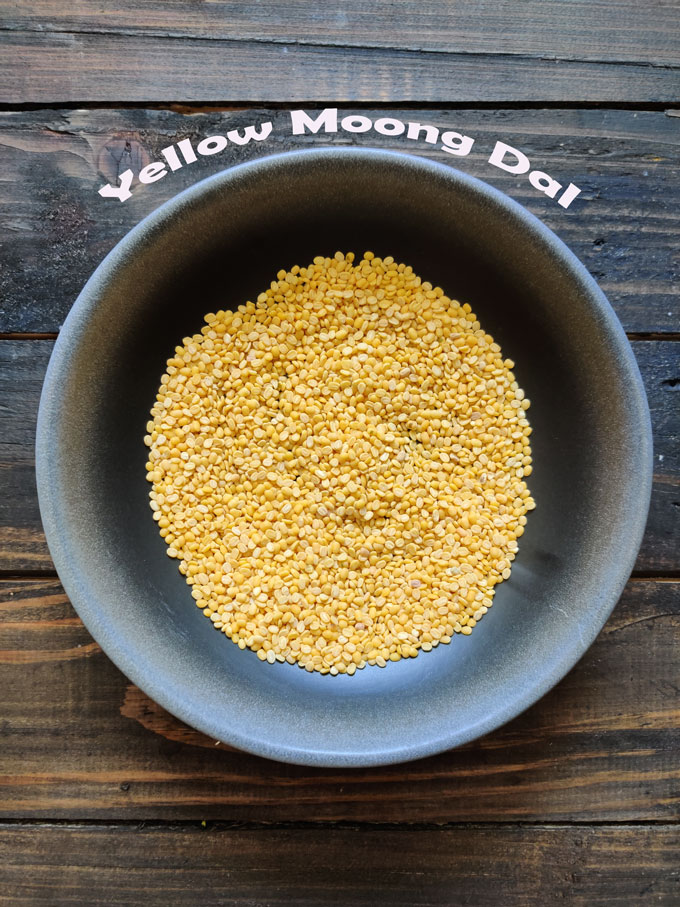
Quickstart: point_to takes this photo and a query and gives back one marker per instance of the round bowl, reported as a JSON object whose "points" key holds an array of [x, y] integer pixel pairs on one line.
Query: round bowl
{"points": [[220, 243]]}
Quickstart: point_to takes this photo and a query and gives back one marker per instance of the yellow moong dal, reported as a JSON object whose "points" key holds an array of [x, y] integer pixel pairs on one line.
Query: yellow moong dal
{"points": [[340, 466]]}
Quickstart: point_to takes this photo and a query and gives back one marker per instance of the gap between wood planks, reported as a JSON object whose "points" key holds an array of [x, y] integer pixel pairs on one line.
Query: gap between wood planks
{"points": [[189, 108], [236, 825]]}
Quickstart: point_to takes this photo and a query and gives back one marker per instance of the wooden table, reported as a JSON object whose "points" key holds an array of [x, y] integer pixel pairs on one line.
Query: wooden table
{"points": [[107, 799]]}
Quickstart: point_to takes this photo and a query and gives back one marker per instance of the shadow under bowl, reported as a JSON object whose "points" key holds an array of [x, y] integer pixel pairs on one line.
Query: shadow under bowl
{"points": [[222, 242]]}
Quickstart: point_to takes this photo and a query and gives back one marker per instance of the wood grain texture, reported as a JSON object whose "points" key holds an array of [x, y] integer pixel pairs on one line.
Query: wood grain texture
{"points": [[22, 368], [484, 866], [662, 382], [80, 742], [66, 67], [561, 30], [56, 228]]}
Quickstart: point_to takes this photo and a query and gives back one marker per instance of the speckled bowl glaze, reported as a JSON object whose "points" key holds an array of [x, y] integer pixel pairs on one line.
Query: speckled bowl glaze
{"points": [[218, 244]]}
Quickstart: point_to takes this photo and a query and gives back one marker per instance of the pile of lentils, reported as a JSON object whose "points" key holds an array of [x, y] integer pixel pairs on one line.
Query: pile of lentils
{"points": [[339, 467]]}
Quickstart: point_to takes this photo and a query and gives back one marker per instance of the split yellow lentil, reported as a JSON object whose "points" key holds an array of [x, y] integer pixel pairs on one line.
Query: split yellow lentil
{"points": [[339, 466]]}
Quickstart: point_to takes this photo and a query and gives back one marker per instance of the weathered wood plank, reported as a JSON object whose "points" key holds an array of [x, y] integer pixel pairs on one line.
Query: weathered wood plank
{"points": [[58, 67], [662, 538], [484, 866], [561, 30], [22, 369], [23, 364], [56, 228], [79, 741]]}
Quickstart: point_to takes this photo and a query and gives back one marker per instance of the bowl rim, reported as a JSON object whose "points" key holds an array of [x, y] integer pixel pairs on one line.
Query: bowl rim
{"points": [[102, 629]]}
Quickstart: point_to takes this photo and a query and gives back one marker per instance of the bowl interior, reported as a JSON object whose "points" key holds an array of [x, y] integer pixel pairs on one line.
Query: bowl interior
{"points": [[221, 243]]}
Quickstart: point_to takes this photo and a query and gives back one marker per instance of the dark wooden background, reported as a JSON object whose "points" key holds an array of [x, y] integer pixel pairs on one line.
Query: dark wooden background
{"points": [[107, 799]]}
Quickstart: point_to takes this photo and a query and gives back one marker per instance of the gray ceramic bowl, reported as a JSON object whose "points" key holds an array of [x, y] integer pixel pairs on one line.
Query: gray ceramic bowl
{"points": [[221, 242]]}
